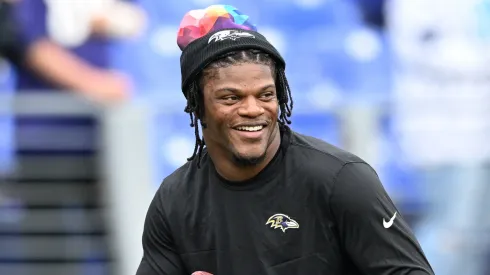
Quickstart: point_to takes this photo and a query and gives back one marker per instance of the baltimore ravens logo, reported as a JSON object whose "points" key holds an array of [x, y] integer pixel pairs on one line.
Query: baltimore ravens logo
{"points": [[229, 34], [282, 222]]}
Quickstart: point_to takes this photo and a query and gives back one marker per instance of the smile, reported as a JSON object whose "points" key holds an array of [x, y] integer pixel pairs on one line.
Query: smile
{"points": [[250, 128], [250, 132]]}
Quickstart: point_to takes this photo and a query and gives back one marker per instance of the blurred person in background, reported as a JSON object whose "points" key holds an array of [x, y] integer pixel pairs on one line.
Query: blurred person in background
{"points": [[442, 114], [13, 52], [67, 45]]}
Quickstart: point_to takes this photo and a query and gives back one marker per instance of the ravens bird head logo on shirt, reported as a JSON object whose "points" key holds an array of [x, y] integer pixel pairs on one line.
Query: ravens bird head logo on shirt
{"points": [[282, 222]]}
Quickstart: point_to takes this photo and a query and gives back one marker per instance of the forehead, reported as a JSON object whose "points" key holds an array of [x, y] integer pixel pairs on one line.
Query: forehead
{"points": [[240, 76]]}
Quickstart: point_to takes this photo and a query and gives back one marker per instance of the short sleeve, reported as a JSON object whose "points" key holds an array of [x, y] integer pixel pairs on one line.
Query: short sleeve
{"points": [[372, 230], [160, 256]]}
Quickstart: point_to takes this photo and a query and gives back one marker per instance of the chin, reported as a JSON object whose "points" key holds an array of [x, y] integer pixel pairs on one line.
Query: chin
{"points": [[248, 159]]}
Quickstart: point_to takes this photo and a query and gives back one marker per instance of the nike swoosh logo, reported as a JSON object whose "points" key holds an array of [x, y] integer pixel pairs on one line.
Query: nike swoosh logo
{"points": [[390, 223]]}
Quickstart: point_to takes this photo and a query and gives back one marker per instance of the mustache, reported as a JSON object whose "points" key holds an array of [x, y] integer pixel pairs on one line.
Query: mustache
{"points": [[252, 123]]}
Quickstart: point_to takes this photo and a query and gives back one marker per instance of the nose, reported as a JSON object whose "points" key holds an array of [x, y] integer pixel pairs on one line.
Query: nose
{"points": [[250, 107]]}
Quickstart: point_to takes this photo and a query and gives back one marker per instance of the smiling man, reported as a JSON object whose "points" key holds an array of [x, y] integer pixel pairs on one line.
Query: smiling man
{"points": [[256, 197]]}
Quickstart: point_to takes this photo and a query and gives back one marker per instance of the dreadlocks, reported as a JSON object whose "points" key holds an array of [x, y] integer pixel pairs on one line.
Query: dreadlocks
{"points": [[195, 102]]}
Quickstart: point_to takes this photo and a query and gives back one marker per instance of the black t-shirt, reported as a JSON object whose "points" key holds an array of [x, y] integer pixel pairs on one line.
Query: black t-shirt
{"points": [[315, 209]]}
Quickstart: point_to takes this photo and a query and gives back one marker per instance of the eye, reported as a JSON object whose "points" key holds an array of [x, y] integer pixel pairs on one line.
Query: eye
{"points": [[268, 96], [230, 99]]}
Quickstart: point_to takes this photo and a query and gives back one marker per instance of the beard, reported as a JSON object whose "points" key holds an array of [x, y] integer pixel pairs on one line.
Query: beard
{"points": [[243, 160], [246, 161]]}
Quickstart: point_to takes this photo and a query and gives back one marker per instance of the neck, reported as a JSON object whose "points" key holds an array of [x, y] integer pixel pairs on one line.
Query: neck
{"points": [[228, 169]]}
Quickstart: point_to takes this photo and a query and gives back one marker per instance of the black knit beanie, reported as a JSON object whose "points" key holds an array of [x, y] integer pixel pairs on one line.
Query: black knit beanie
{"points": [[206, 49]]}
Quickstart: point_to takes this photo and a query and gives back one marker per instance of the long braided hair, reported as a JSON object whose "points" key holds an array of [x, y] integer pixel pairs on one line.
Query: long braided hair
{"points": [[195, 102]]}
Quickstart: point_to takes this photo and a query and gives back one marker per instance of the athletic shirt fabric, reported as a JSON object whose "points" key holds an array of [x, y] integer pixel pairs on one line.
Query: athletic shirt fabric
{"points": [[199, 221]]}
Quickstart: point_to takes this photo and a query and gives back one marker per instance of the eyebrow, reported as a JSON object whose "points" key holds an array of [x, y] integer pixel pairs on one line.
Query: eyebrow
{"points": [[233, 90]]}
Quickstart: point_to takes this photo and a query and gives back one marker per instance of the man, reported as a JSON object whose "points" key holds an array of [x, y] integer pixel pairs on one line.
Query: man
{"points": [[260, 198]]}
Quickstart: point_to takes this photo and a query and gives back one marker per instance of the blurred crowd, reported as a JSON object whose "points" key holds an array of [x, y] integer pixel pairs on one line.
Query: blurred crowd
{"points": [[61, 45], [422, 66]]}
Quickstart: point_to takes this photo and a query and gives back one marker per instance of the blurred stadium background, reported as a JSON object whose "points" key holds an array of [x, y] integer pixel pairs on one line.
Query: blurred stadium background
{"points": [[405, 84]]}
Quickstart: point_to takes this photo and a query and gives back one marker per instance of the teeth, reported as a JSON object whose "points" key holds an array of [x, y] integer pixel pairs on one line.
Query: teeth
{"points": [[250, 128]]}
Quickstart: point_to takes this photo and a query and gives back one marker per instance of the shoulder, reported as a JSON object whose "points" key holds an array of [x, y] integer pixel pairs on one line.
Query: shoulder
{"points": [[320, 154], [175, 179], [322, 149], [181, 182], [319, 160], [337, 172]]}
